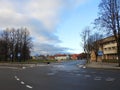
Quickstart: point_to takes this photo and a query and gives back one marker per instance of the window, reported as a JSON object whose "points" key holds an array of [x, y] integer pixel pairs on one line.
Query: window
{"points": [[113, 48], [105, 48], [109, 48]]}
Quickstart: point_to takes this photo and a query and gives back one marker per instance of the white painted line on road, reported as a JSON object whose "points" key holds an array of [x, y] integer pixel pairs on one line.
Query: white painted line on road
{"points": [[17, 79], [97, 78], [93, 72], [8, 67], [88, 76], [23, 67], [31, 66], [22, 82], [84, 66], [28, 86], [51, 74], [83, 71], [78, 74], [80, 65], [109, 79], [41, 65]]}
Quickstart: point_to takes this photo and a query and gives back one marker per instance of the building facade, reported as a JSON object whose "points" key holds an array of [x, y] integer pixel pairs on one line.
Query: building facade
{"points": [[62, 57], [108, 47]]}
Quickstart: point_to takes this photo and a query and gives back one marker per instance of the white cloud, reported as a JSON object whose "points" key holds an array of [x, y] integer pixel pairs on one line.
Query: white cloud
{"points": [[41, 17], [47, 11]]}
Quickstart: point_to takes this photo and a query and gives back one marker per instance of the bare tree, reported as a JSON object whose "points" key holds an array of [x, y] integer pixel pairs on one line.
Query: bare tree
{"points": [[109, 18], [95, 43], [16, 44], [2, 50], [23, 44], [85, 42], [27, 44], [6, 43], [12, 44]]}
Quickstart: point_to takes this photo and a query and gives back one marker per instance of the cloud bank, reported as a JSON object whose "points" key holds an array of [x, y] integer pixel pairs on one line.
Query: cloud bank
{"points": [[41, 17]]}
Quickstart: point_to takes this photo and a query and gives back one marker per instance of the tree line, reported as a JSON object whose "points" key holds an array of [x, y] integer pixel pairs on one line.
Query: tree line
{"points": [[15, 44]]}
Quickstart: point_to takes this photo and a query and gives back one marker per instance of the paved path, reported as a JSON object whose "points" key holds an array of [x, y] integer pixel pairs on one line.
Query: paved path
{"points": [[103, 65]]}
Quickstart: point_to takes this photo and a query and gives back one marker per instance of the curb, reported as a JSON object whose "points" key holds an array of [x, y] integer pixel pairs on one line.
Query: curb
{"points": [[101, 66]]}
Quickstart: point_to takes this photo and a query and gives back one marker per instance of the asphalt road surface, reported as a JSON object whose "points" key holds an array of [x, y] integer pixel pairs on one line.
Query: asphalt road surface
{"points": [[72, 75]]}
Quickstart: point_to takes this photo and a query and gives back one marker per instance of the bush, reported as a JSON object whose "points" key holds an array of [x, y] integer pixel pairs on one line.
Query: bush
{"points": [[110, 60]]}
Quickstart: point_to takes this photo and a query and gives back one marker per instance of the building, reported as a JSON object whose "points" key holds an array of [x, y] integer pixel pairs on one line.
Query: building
{"points": [[76, 56], [61, 57], [107, 50], [51, 57]]}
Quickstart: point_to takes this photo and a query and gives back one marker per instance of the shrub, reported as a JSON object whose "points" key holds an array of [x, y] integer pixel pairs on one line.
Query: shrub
{"points": [[110, 60]]}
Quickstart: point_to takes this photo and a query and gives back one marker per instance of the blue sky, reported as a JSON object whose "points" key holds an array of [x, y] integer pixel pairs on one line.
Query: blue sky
{"points": [[55, 25], [74, 22]]}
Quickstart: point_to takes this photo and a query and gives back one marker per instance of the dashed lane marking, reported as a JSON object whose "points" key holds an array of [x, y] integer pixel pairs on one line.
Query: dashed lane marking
{"points": [[84, 67], [28, 86], [22, 82], [97, 78], [17, 79]]}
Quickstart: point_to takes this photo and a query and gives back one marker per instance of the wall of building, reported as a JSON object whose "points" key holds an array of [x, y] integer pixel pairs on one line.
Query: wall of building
{"points": [[109, 48]]}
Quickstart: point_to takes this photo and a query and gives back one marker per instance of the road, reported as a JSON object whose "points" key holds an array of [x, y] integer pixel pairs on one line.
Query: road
{"points": [[70, 75]]}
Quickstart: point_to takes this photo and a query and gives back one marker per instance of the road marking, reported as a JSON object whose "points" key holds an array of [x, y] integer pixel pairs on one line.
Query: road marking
{"points": [[84, 67], [51, 74], [23, 67], [22, 82], [31, 66], [83, 71], [109, 79], [8, 67], [80, 65], [87, 75], [97, 78], [93, 72], [78, 74], [17, 79], [28, 86]]}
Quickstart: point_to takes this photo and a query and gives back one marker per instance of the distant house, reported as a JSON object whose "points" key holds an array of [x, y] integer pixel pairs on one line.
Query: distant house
{"points": [[33, 57], [61, 57], [78, 56], [75, 56], [41, 57], [51, 57]]}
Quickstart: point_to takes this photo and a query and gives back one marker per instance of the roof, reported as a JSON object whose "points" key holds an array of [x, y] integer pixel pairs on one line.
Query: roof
{"points": [[107, 39], [60, 55]]}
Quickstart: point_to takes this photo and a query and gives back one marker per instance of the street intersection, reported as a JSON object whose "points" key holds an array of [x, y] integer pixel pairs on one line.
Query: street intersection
{"points": [[70, 75]]}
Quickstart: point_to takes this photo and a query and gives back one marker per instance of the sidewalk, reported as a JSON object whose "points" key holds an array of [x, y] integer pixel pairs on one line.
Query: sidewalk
{"points": [[103, 65], [17, 65]]}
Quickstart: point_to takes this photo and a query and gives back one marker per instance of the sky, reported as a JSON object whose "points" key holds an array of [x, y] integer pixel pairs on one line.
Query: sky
{"points": [[54, 25]]}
